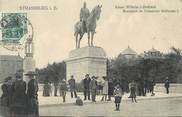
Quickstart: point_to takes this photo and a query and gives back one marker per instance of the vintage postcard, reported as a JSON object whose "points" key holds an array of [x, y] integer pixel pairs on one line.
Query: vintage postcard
{"points": [[91, 58]]}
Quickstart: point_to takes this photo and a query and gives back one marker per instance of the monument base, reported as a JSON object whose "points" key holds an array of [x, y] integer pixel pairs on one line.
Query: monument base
{"points": [[28, 65], [86, 60]]}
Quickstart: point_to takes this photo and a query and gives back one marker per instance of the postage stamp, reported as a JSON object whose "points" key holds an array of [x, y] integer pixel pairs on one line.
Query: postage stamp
{"points": [[14, 27], [14, 30]]}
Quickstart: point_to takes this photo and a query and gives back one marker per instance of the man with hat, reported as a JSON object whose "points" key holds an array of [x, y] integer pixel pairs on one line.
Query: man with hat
{"points": [[167, 85], [110, 89], [19, 98], [86, 86], [6, 96], [72, 85], [32, 95], [93, 87]]}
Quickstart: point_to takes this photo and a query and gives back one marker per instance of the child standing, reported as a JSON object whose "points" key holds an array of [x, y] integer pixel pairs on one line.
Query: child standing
{"points": [[118, 96], [63, 89]]}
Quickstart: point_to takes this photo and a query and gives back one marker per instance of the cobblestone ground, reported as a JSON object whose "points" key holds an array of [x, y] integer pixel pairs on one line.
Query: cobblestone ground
{"points": [[155, 107], [52, 100]]}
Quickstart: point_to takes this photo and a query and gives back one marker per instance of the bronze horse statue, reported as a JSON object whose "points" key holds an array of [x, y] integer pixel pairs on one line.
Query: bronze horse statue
{"points": [[90, 26]]}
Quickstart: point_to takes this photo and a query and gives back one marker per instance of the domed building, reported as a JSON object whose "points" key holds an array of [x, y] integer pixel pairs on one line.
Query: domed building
{"points": [[128, 53], [153, 54]]}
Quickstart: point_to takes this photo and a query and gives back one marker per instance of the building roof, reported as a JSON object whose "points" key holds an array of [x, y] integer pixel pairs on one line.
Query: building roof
{"points": [[153, 50], [129, 51], [10, 57]]}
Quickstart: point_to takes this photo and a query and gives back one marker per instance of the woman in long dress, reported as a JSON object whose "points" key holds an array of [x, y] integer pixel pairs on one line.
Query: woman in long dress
{"points": [[133, 91], [47, 89], [105, 89]]}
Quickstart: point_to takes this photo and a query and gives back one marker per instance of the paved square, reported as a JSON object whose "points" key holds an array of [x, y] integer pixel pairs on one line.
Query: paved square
{"points": [[159, 105]]}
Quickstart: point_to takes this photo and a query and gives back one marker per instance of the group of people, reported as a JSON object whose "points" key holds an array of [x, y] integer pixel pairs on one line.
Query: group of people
{"points": [[62, 87], [144, 86], [20, 98], [91, 85]]}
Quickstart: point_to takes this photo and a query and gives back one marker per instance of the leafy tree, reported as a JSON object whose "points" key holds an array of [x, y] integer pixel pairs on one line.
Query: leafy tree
{"points": [[53, 72]]}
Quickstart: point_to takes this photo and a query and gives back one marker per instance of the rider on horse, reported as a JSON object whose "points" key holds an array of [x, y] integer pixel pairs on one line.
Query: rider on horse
{"points": [[87, 24], [84, 14]]}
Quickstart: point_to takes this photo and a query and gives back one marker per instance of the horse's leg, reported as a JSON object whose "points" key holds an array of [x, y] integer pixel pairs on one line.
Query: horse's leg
{"points": [[81, 35], [92, 37], [88, 38], [76, 40]]}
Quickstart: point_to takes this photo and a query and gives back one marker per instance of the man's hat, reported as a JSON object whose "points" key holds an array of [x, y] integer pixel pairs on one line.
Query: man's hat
{"points": [[87, 75], [17, 75], [7, 78], [30, 73], [104, 77], [94, 77]]}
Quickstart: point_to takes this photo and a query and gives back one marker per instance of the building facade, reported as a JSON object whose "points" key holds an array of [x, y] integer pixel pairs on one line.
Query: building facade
{"points": [[9, 65]]}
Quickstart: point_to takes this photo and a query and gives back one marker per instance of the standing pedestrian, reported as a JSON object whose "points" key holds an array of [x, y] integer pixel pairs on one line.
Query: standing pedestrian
{"points": [[141, 86], [133, 90], [145, 87], [99, 86], [105, 89], [63, 89], [33, 104], [110, 89], [167, 85], [93, 87], [72, 85], [152, 87], [6, 97], [47, 89], [86, 85], [56, 85], [50, 88], [18, 105], [118, 96]]}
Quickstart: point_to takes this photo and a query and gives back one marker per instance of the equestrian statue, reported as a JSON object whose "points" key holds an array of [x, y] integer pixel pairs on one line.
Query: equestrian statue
{"points": [[87, 24]]}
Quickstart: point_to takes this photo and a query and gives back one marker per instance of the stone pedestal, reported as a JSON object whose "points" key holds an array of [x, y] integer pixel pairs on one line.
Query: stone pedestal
{"points": [[86, 60], [28, 65]]}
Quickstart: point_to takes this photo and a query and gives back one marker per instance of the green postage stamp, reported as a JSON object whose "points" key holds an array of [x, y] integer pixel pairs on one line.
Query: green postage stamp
{"points": [[13, 27]]}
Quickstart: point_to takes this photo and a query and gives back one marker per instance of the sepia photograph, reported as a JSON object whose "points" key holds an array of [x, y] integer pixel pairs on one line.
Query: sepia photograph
{"points": [[90, 58]]}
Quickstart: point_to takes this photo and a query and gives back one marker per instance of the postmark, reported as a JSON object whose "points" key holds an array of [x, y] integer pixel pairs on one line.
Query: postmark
{"points": [[15, 29]]}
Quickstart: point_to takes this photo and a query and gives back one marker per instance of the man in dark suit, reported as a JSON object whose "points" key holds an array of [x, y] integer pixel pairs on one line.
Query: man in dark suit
{"points": [[72, 85], [19, 98], [86, 86], [93, 88], [167, 84]]}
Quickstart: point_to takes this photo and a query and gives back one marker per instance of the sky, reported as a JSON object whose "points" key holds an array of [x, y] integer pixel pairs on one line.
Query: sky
{"points": [[116, 30]]}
